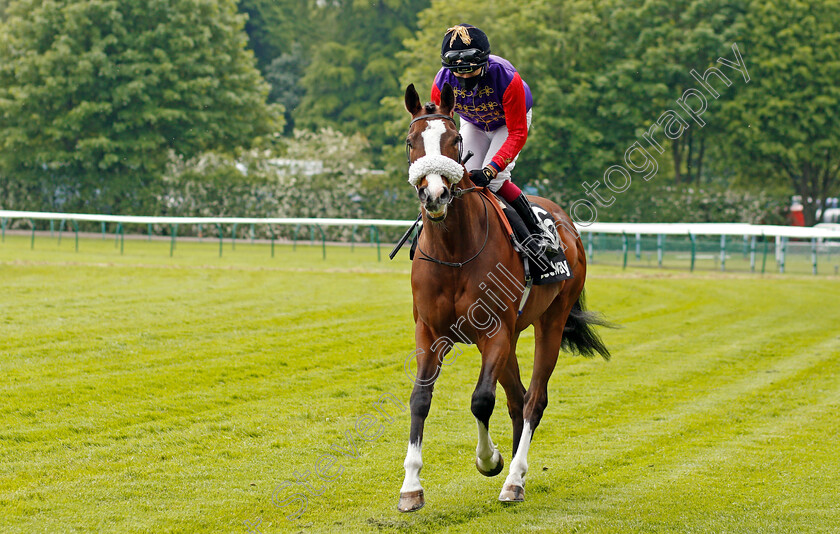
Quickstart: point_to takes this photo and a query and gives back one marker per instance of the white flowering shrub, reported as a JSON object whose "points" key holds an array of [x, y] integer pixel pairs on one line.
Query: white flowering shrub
{"points": [[314, 174]]}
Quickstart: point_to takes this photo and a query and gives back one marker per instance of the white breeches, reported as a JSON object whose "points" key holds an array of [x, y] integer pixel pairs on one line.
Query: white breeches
{"points": [[485, 145]]}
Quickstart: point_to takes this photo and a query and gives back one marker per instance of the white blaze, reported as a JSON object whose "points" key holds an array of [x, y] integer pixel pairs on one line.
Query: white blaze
{"points": [[431, 142]]}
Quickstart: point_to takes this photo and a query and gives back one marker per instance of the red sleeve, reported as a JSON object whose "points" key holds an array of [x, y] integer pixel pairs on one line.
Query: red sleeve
{"points": [[436, 89], [435, 94], [513, 104]]}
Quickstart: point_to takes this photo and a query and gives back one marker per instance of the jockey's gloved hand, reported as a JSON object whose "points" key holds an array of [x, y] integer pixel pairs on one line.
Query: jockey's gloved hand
{"points": [[482, 177]]}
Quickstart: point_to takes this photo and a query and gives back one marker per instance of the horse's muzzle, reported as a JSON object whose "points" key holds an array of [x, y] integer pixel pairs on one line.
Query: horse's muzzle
{"points": [[435, 206]]}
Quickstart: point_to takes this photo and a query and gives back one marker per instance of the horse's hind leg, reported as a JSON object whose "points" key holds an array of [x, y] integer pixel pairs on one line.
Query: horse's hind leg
{"points": [[548, 332], [494, 351]]}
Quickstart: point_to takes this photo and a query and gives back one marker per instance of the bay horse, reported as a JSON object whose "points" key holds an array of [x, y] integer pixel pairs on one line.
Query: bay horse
{"points": [[461, 248]]}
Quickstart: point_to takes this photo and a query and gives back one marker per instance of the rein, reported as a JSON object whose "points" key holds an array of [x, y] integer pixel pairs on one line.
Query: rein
{"points": [[458, 265]]}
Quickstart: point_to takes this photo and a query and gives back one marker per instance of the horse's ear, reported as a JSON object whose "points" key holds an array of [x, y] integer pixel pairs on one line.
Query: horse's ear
{"points": [[412, 100], [447, 99]]}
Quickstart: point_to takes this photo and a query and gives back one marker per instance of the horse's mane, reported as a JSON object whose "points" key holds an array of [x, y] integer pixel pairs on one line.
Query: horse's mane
{"points": [[431, 108]]}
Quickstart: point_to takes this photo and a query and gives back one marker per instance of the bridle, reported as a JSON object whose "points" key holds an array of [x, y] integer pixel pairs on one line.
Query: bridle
{"points": [[456, 193]]}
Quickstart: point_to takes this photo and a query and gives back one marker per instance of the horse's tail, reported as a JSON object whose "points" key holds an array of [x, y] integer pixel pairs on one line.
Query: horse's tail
{"points": [[579, 336]]}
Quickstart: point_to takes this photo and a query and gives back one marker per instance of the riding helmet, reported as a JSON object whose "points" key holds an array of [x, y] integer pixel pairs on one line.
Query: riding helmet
{"points": [[464, 48]]}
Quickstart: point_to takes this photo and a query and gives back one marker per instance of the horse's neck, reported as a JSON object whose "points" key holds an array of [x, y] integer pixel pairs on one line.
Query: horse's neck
{"points": [[462, 232]]}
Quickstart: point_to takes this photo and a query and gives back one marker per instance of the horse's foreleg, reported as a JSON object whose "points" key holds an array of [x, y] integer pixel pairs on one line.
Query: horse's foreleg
{"points": [[548, 334], [428, 367], [488, 459], [494, 352]]}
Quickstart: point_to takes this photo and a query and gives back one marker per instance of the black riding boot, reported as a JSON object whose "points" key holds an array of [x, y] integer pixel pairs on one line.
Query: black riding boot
{"points": [[523, 208]]}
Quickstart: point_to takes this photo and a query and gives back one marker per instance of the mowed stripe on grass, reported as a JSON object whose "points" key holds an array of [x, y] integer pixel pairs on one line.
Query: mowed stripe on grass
{"points": [[143, 393]]}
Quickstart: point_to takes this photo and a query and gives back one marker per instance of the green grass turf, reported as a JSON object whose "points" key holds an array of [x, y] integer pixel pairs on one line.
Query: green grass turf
{"points": [[143, 393]]}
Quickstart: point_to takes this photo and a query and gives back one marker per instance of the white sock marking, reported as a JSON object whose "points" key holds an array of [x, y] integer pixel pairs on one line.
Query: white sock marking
{"points": [[486, 454], [413, 463], [519, 465]]}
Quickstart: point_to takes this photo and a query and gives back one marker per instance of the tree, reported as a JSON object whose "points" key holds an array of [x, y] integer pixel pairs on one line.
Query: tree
{"points": [[604, 71], [663, 41], [274, 26], [353, 65], [96, 94], [786, 124], [284, 75]]}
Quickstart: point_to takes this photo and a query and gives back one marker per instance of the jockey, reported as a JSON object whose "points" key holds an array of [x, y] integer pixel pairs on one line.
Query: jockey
{"points": [[494, 104]]}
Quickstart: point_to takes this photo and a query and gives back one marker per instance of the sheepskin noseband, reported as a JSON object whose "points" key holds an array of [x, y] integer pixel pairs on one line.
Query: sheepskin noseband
{"points": [[435, 164]]}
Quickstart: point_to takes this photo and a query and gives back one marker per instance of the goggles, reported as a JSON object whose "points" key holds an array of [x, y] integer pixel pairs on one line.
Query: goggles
{"points": [[464, 61]]}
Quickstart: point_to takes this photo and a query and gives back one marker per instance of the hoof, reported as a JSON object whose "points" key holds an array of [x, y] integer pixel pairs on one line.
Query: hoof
{"points": [[411, 501], [493, 472], [512, 493]]}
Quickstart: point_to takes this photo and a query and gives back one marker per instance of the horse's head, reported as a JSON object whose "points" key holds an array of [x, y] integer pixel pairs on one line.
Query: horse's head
{"points": [[434, 151]]}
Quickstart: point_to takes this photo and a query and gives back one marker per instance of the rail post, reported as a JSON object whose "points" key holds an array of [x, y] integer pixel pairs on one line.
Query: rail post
{"points": [[76, 229], [660, 248], [174, 234], [693, 249], [764, 259], [221, 238], [722, 253], [121, 234], [323, 242], [32, 245], [374, 231], [752, 254], [782, 258], [814, 255], [624, 247], [271, 230]]}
